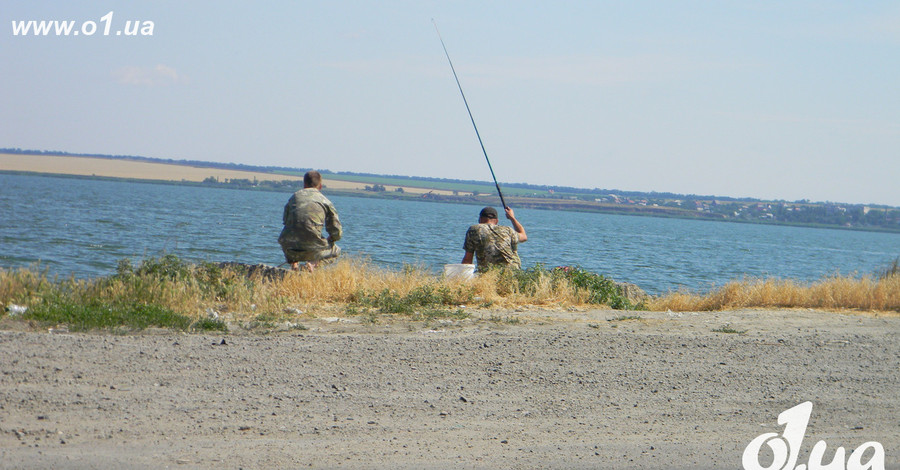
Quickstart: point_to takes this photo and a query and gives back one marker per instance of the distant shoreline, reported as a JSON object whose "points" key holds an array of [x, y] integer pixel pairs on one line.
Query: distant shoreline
{"points": [[141, 170], [96, 167]]}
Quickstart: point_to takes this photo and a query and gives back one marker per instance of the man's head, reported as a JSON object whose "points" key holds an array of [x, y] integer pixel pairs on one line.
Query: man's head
{"points": [[488, 215], [312, 179]]}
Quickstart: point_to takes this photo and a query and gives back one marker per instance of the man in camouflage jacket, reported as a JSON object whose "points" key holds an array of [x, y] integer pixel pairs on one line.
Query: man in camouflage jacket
{"points": [[305, 215], [492, 244]]}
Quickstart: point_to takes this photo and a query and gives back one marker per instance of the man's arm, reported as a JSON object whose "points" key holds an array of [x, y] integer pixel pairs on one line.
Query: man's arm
{"points": [[523, 237], [470, 245], [287, 210], [333, 224]]}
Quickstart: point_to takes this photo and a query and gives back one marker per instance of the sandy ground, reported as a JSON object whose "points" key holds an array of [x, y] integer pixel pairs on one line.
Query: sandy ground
{"points": [[519, 389], [117, 168]]}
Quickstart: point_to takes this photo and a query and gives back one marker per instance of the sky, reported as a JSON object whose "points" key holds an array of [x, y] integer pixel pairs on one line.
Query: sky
{"points": [[784, 100]]}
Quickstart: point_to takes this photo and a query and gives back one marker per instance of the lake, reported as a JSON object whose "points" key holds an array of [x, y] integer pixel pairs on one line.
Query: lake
{"points": [[82, 228]]}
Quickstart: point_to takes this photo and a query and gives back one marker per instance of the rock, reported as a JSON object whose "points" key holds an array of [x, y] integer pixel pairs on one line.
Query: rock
{"points": [[269, 273], [632, 292]]}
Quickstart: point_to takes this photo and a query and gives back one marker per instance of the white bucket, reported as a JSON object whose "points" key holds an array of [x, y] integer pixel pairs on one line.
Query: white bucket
{"points": [[459, 271]]}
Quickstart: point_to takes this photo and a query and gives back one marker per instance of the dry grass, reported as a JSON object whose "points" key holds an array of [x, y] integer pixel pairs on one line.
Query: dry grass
{"points": [[18, 285], [346, 280], [171, 293], [341, 281], [838, 292], [168, 285]]}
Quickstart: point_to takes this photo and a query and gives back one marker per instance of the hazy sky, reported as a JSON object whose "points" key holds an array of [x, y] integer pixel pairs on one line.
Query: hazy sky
{"points": [[770, 99]]}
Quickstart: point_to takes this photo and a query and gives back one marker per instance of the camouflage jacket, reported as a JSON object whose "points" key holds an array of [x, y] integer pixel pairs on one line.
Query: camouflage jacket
{"points": [[305, 215], [493, 245]]}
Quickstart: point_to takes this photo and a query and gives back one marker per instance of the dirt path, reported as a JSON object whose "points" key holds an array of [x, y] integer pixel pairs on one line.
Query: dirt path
{"points": [[533, 389]]}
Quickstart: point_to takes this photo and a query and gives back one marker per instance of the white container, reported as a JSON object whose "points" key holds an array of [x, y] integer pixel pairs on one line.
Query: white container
{"points": [[459, 271]]}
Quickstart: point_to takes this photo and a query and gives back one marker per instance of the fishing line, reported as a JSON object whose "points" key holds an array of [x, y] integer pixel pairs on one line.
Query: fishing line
{"points": [[477, 134]]}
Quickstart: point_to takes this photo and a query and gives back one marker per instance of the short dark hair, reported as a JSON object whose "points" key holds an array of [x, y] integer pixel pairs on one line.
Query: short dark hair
{"points": [[312, 179], [488, 213]]}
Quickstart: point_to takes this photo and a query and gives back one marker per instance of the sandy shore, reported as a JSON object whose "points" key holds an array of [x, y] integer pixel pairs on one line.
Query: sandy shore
{"points": [[129, 169], [584, 389]]}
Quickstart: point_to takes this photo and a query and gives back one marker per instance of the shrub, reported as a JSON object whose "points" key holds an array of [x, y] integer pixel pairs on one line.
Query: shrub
{"points": [[565, 283], [421, 297], [891, 270], [98, 314]]}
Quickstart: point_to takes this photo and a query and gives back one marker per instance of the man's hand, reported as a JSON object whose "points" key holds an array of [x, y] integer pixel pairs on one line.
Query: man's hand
{"points": [[516, 225]]}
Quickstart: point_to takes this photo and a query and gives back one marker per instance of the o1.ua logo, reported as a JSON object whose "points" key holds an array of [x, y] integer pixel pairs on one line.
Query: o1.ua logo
{"points": [[785, 449]]}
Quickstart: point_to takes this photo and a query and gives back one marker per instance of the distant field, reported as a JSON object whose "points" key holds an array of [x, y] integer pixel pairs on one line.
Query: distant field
{"points": [[798, 213], [141, 170], [118, 168], [446, 186], [130, 169]]}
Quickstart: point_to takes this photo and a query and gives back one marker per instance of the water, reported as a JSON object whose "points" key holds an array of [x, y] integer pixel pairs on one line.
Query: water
{"points": [[83, 228]]}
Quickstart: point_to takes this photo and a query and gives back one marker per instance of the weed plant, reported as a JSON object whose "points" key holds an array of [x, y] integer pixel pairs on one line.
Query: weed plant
{"points": [[891, 270], [569, 285], [598, 288], [727, 329], [879, 292], [167, 292], [428, 296], [159, 293], [625, 318]]}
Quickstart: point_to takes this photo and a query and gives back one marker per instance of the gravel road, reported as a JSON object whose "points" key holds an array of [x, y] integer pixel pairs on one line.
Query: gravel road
{"points": [[525, 389]]}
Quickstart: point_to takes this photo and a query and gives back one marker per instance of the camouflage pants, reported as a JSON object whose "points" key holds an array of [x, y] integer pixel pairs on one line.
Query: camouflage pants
{"points": [[294, 256]]}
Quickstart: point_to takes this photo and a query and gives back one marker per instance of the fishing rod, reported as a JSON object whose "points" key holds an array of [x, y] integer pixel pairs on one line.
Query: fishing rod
{"points": [[477, 134]]}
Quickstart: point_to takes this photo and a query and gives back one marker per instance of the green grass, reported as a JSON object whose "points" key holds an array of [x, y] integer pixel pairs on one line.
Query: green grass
{"points": [[167, 292], [426, 302], [430, 315], [509, 320], [134, 299], [94, 315], [625, 318], [728, 330], [208, 324], [599, 289]]}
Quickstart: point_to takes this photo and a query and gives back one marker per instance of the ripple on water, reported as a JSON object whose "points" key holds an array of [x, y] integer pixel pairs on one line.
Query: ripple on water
{"points": [[100, 226]]}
